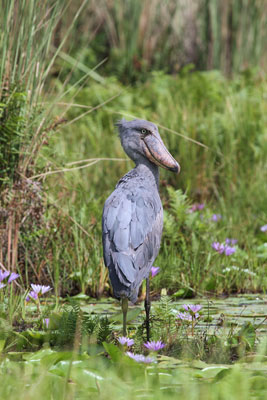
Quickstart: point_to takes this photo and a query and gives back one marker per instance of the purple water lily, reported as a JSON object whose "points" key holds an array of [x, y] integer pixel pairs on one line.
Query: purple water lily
{"points": [[40, 289], [184, 316], [12, 277], [224, 248], [194, 308], [4, 275], [32, 295], [191, 315], [37, 291], [263, 228], [140, 358], [228, 251], [154, 346], [216, 217], [125, 341], [219, 247], [7, 277], [154, 271]]}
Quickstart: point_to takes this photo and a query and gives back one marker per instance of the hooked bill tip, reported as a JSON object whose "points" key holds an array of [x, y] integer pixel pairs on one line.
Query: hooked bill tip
{"points": [[176, 168]]}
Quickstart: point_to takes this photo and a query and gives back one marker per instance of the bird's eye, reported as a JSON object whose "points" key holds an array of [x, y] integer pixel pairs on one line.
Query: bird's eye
{"points": [[144, 132]]}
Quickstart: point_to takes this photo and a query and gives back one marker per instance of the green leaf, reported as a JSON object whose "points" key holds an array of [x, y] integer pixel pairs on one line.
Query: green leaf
{"points": [[198, 364], [213, 371], [113, 351], [184, 293], [80, 296], [39, 355], [2, 344], [168, 362]]}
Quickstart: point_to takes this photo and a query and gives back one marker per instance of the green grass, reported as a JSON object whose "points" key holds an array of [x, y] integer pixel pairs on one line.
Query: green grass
{"points": [[56, 375]]}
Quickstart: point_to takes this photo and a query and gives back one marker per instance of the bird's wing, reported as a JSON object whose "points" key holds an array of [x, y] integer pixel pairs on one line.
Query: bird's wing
{"points": [[132, 226]]}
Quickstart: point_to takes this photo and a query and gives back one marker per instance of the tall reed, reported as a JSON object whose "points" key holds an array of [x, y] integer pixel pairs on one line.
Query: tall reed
{"points": [[143, 35], [27, 30]]}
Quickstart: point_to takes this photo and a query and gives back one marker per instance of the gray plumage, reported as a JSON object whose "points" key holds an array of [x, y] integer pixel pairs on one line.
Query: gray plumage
{"points": [[133, 217]]}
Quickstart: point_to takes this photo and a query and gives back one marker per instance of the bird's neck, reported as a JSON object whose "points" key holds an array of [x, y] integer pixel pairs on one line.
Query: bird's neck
{"points": [[149, 171]]}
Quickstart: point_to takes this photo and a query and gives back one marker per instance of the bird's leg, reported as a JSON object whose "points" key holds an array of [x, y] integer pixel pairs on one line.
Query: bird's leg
{"points": [[124, 307], [147, 308]]}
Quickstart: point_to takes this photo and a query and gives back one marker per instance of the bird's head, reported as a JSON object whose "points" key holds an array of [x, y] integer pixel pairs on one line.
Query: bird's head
{"points": [[141, 139]]}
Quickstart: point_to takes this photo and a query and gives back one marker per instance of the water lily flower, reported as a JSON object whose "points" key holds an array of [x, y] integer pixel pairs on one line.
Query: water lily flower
{"points": [[140, 357], [8, 277], [32, 295], [216, 217], [37, 291], [4, 275], [40, 289], [222, 248], [219, 247], [194, 308], [263, 228], [154, 346], [154, 271], [228, 251], [12, 277], [191, 315], [184, 316], [125, 341]]}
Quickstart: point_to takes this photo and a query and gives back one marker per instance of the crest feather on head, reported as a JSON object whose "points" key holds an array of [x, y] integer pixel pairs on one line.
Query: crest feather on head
{"points": [[120, 124]]}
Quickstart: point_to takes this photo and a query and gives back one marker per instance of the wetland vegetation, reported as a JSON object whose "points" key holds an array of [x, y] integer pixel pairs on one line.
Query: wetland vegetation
{"points": [[60, 158]]}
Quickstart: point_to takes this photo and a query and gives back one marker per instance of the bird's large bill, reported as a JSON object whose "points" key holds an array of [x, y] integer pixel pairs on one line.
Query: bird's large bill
{"points": [[157, 153]]}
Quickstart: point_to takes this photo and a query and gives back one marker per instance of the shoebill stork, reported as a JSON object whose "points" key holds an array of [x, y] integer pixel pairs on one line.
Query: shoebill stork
{"points": [[133, 216]]}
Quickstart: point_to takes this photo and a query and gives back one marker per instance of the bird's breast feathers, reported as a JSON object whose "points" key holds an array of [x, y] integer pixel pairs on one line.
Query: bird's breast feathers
{"points": [[132, 227]]}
